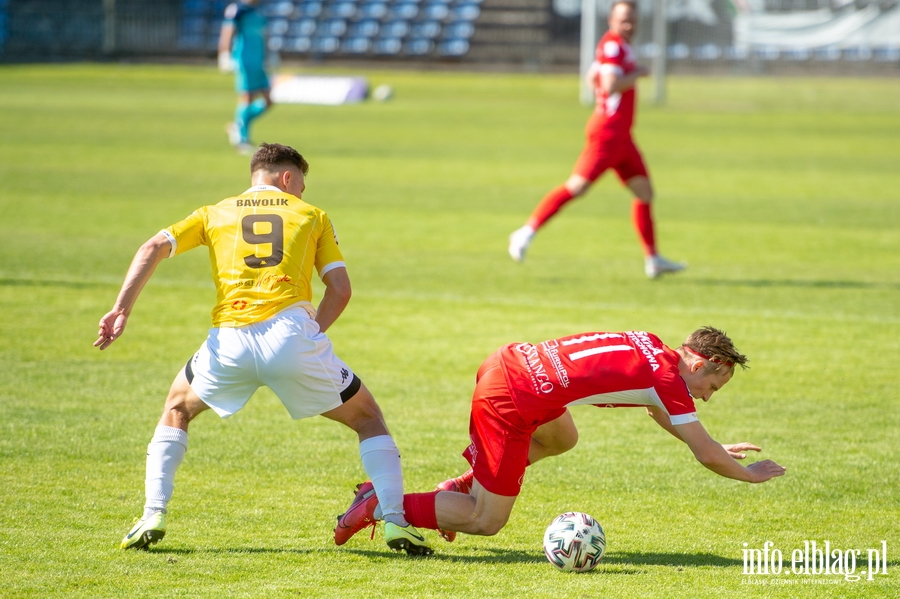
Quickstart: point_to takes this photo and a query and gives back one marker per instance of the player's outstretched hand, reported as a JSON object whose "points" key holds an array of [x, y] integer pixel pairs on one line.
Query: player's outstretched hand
{"points": [[112, 325], [764, 470], [737, 451]]}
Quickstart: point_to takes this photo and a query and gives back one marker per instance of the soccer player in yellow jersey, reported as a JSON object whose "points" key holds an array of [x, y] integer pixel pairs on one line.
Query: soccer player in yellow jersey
{"points": [[263, 245]]}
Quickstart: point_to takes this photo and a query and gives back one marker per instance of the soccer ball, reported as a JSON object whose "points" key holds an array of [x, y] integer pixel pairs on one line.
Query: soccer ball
{"points": [[383, 93], [574, 542]]}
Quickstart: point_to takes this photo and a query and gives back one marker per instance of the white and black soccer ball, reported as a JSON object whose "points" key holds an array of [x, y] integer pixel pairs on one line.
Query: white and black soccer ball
{"points": [[574, 542], [383, 93]]}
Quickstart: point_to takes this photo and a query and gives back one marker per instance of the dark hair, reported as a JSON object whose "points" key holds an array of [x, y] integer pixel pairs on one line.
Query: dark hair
{"points": [[271, 156], [715, 346]]}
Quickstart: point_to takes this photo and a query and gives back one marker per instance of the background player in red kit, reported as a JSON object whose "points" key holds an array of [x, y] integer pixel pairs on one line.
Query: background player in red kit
{"points": [[520, 414], [609, 144]]}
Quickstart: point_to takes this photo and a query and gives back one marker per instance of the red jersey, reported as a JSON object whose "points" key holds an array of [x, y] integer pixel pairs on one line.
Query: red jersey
{"points": [[633, 368], [616, 111]]}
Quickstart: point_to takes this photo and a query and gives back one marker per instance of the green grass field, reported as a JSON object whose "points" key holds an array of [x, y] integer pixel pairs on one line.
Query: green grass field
{"points": [[782, 194]]}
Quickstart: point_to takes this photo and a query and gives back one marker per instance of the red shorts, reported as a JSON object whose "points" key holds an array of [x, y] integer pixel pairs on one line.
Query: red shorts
{"points": [[609, 149], [500, 439]]}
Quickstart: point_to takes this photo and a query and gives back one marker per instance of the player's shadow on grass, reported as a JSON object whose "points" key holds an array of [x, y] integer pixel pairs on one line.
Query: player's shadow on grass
{"points": [[641, 558], [794, 283], [52, 282]]}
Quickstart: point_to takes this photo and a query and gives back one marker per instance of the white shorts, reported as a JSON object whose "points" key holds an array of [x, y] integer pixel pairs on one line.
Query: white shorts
{"points": [[286, 353]]}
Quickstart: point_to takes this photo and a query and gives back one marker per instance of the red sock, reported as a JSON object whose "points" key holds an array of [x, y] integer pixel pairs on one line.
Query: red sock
{"points": [[549, 206], [420, 511], [643, 224]]}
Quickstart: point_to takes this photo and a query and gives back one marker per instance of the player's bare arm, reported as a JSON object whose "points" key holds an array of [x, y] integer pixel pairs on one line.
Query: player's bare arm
{"points": [[717, 458], [148, 256], [737, 450], [226, 39], [616, 83], [335, 299]]}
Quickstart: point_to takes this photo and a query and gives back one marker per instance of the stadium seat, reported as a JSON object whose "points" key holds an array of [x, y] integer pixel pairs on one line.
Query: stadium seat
{"points": [[342, 10], [373, 10], [365, 28], [278, 26], [398, 29], [769, 53], [459, 30], [886, 54], [356, 45], [300, 43], [331, 28], [828, 53], [418, 47], [858, 54], [465, 12], [453, 47], [436, 11], [425, 30], [325, 45], [302, 28], [678, 51], [278, 9], [796, 54], [309, 9], [403, 10], [736, 53], [707, 52], [388, 46]]}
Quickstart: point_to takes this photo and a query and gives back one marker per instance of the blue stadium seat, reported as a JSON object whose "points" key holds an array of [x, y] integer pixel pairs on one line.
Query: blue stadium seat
{"points": [[325, 45], [453, 47], [858, 54], [285, 8], [888, 54], [373, 10], [309, 9], [707, 52], [397, 29], [300, 43], [418, 47], [342, 10], [364, 28], [736, 53], [403, 10], [278, 26], [436, 11], [827, 53], [678, 51], [302, 28], [425, 30], [796, 54], [331, 28], [275, 42], [356, 45], [388, 46], [465, 12], [459, 30]]}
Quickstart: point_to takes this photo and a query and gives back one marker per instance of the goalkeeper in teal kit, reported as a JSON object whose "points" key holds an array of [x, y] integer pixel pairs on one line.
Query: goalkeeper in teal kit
{"points": [[242, 47]]}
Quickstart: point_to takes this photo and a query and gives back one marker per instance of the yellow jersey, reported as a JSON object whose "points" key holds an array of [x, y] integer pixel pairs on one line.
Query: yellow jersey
{"points": [[263, 245]]}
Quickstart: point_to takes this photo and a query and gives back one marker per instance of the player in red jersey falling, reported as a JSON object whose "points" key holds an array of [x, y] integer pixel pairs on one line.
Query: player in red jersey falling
{"points": [[520, 414], [609, 144]]}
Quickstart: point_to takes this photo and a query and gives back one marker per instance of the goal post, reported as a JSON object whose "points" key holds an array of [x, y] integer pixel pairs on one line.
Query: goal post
{"points": [[589, 38], [660, 42]]}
